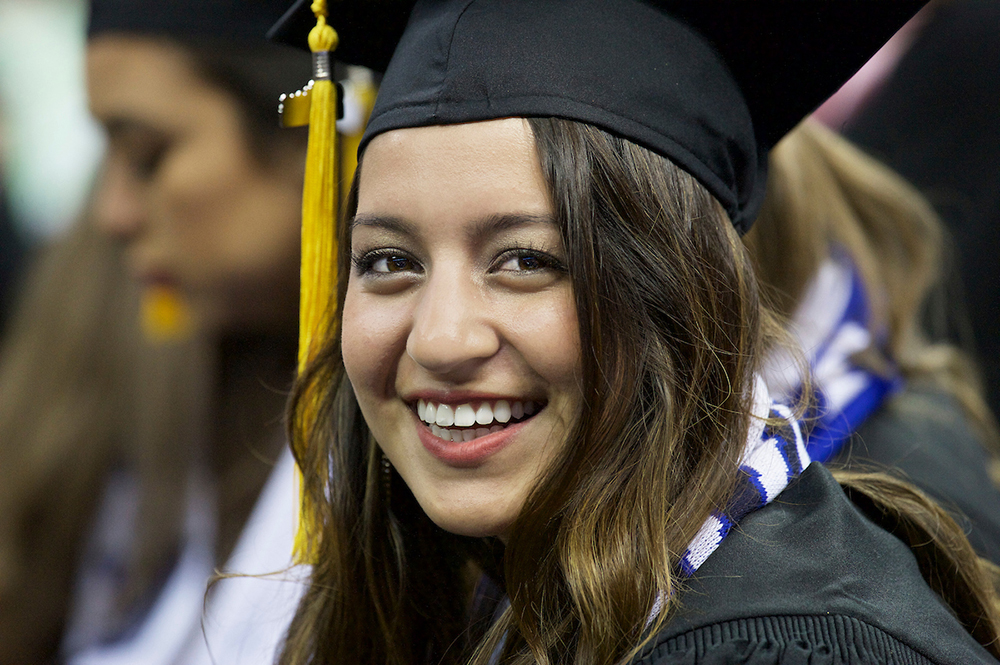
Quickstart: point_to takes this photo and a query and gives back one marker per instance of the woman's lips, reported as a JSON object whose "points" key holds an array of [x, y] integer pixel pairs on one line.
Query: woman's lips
{"points": [[466, 454]]}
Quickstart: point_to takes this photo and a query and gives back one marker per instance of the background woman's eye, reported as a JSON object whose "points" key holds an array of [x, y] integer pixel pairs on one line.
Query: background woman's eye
{"points": [[146, 162], [142, 150]]}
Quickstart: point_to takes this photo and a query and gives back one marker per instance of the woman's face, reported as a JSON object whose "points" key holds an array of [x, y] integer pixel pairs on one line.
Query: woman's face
{"points": [[194, 208], [460, 334]]}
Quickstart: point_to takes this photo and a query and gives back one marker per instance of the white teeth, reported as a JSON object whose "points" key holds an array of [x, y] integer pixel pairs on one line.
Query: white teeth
{"points": [[464, 416], [501, 412], [495, 428], [445, 416], [441, 416], [484, 416]]}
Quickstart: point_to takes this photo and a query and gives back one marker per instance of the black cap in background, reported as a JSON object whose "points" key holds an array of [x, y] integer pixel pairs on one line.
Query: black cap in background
{"points": [[231, 20]]}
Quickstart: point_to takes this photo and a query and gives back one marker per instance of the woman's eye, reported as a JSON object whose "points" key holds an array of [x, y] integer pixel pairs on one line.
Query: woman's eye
{"points": [[384, 263], [392, 264], [526, 261], [522, 263], [147, 161], [143, 152]]}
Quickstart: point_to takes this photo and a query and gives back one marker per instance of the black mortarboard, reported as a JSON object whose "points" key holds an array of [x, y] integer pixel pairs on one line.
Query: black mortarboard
{"points": [[232, 20], [710, 84]]}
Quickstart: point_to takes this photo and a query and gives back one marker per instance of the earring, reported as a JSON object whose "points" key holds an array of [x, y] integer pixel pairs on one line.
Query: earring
{"points": [[386, 477]]}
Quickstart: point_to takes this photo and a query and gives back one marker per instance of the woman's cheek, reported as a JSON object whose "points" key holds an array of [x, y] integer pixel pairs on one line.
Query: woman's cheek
{"points": [[353, 339], [550, 337], [373, 340]]}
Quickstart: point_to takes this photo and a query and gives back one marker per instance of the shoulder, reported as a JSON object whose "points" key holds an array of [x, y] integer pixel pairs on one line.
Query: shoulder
{"points": [[926, 435], [808, 579]]}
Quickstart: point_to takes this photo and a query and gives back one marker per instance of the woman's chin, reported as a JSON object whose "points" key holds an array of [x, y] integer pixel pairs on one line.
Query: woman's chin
{"points": [[473, 524]]}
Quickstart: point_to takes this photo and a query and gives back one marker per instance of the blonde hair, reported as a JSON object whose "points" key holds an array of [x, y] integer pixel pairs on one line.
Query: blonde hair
{"points": [[824, 193]]}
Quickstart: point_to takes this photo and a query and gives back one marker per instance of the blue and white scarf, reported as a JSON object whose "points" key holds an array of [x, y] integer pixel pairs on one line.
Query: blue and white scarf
{"points": [[770, 462], [831, 325]]}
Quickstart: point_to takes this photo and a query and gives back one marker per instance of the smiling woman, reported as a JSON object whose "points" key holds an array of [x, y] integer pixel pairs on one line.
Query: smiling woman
{"points": [[539, 407], [458, 299]]}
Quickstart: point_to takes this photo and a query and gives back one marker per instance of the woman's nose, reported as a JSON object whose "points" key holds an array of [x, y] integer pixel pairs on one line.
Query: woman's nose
{"points": [[453, 328], [118, 209]]}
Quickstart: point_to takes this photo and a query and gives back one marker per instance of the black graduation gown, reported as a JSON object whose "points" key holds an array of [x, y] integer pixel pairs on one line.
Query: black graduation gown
{"points": [[808, 579], [925, 434]]}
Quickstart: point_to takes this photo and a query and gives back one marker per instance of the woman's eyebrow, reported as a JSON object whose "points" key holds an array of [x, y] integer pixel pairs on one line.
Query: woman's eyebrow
{"points": [[490, 224], [389, 223], [497, 223]]}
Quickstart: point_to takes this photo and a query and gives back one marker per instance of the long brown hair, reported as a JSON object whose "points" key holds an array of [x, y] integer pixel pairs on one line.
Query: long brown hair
{"points": [[81, 391], [673, 327]]}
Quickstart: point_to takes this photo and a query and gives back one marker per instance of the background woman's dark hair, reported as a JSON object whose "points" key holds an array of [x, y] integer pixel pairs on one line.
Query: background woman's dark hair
{"points": [[80, 393], [256, 75]]}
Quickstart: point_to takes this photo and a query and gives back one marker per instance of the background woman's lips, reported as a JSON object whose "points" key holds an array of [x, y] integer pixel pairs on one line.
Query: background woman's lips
{"points": [[153, 276]]}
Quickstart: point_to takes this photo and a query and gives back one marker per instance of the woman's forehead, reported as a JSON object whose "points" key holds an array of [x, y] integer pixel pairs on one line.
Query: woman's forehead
{"points": [[489, 141], [473, 170]]}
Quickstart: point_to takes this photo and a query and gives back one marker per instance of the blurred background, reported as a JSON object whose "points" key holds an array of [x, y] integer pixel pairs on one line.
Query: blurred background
{"points": [[50, 147]]}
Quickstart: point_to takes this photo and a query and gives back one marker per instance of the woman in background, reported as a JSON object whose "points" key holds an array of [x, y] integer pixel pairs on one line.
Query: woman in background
{"points": [[133, 463], [852, 254]]}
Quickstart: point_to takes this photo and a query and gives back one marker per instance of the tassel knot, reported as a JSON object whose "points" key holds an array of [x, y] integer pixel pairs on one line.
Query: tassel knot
{"points": [[322, 37]]}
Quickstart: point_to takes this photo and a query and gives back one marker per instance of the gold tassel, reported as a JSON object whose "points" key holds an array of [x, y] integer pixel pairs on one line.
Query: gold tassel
{"points": [[319, 242]]}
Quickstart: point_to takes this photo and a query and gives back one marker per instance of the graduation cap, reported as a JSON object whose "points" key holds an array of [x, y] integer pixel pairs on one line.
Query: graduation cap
{"points": [[709, 84]]}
